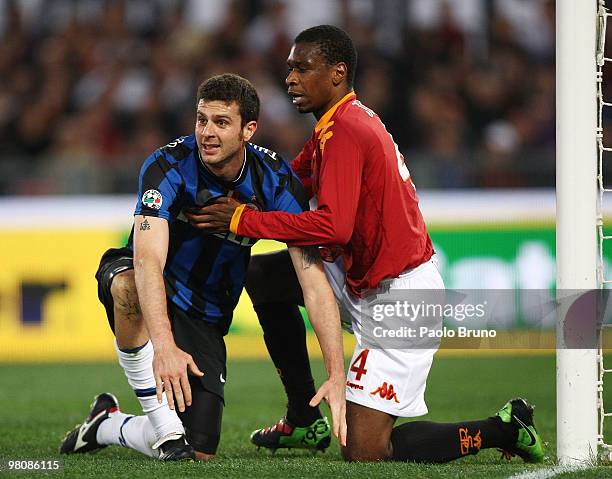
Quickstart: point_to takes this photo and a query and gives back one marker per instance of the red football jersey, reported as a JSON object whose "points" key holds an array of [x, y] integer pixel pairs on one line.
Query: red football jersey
{"points": [[367, 203]]}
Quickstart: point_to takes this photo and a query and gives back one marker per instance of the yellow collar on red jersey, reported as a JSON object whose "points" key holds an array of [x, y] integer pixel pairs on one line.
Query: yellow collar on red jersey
{"points": [[329, 113]]}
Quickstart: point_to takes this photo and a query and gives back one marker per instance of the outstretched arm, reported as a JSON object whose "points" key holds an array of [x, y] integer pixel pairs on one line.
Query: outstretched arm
{"points": [[323, 314], [332, 223]]}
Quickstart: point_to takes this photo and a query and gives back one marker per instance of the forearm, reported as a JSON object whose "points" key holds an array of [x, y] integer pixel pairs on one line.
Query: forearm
{"points": [[152, 297], [150, 250], [323, 314], [321, 306], [319, 227]]}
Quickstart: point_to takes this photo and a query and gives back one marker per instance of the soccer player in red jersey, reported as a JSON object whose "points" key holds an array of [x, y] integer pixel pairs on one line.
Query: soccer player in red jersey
{"points": [[374, 237]]}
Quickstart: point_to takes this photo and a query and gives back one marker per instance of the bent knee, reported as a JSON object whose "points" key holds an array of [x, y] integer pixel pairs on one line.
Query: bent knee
{"points": [[123, 285], [371, 453], [123, 290]]}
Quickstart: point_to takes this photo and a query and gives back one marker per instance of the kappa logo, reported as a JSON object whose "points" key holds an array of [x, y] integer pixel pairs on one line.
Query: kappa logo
{"points": [[152, 199], [385, 392]]}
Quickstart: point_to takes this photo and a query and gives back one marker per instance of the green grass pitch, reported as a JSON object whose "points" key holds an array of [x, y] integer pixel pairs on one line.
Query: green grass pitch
{"points": [[39, 403]]}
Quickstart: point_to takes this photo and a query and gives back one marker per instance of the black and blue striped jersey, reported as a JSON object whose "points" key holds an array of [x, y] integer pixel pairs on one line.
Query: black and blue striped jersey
{"points": [[205, 273]]}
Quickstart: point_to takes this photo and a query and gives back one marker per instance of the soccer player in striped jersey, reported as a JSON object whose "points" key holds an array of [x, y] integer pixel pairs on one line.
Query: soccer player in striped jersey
{"points": [[376, 240], [170, 293]]}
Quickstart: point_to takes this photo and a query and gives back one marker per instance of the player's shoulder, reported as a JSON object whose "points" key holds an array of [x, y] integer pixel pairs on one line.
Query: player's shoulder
{"points": [[272, 176], [266, 158], [178, 149], [356, 114], [358, 108], [358, 122], [167, 160]]}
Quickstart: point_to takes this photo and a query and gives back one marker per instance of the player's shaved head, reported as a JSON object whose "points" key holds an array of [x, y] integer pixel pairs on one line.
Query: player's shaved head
{"points": [[229, 88], [335, 45]]}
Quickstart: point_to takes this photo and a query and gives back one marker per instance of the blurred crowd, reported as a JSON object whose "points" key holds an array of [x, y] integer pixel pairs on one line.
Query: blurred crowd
{"points": [[89, 88]]}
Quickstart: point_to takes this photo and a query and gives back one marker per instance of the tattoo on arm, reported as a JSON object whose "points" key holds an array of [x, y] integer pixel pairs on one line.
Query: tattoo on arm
{"points": [[310, 256], [145, 226]]}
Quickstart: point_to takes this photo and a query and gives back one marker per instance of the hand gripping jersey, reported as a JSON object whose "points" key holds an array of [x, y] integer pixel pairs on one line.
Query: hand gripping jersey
{"points": [[205, 273], [367, 204]]}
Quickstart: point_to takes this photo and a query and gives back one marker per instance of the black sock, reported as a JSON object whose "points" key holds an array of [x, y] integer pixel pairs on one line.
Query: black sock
{"points": [[285, 338], [425, 441]]}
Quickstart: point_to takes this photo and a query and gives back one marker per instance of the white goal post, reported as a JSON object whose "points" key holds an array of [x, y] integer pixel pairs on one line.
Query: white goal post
{"points": [[577, 220], [576, 195]]}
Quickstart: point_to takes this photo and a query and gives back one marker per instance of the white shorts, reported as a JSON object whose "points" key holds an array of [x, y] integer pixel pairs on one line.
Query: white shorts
{"points": [[388, 380]]}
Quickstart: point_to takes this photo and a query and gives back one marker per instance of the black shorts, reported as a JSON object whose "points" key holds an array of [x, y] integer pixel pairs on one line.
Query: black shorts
{"points": [[204, 341], [201, 339]]}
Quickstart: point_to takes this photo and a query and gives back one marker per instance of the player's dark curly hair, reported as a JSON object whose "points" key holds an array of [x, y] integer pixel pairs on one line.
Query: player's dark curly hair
{"points": [[335, 45], [228, 88]]}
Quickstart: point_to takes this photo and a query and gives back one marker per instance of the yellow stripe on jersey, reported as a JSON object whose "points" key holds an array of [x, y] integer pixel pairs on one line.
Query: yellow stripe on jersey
{"points": [[236, 219]]}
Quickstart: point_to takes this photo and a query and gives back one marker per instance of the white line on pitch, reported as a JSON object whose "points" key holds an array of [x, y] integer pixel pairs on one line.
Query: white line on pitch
{"points": [[548, 473]]}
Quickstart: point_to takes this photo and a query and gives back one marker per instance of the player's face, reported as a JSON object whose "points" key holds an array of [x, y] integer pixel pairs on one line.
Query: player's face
{"points": [[220, 135], [310, 82]]}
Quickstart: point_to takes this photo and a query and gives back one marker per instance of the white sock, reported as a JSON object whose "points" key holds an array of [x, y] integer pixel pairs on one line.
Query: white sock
{"points": [[138, 367], [135, 432]]}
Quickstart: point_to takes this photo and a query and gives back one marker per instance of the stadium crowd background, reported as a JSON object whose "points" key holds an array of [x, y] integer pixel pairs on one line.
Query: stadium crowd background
{"points": [[89, 88]]}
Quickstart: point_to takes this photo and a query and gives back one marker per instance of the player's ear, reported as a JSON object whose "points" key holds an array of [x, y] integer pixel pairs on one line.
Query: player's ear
{"points": [[248, 130], [339, 73]]}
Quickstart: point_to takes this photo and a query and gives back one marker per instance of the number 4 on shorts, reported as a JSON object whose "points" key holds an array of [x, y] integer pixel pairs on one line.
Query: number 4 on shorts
{"points": [[359, 369]]}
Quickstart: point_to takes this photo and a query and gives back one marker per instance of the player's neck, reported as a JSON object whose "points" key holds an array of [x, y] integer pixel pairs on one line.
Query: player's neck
{"points": [[338, 95], [231, 168]]}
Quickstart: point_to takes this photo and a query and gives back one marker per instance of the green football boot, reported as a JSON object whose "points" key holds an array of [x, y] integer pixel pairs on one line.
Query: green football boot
{"points": [[528, 443], [316, 436]]}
